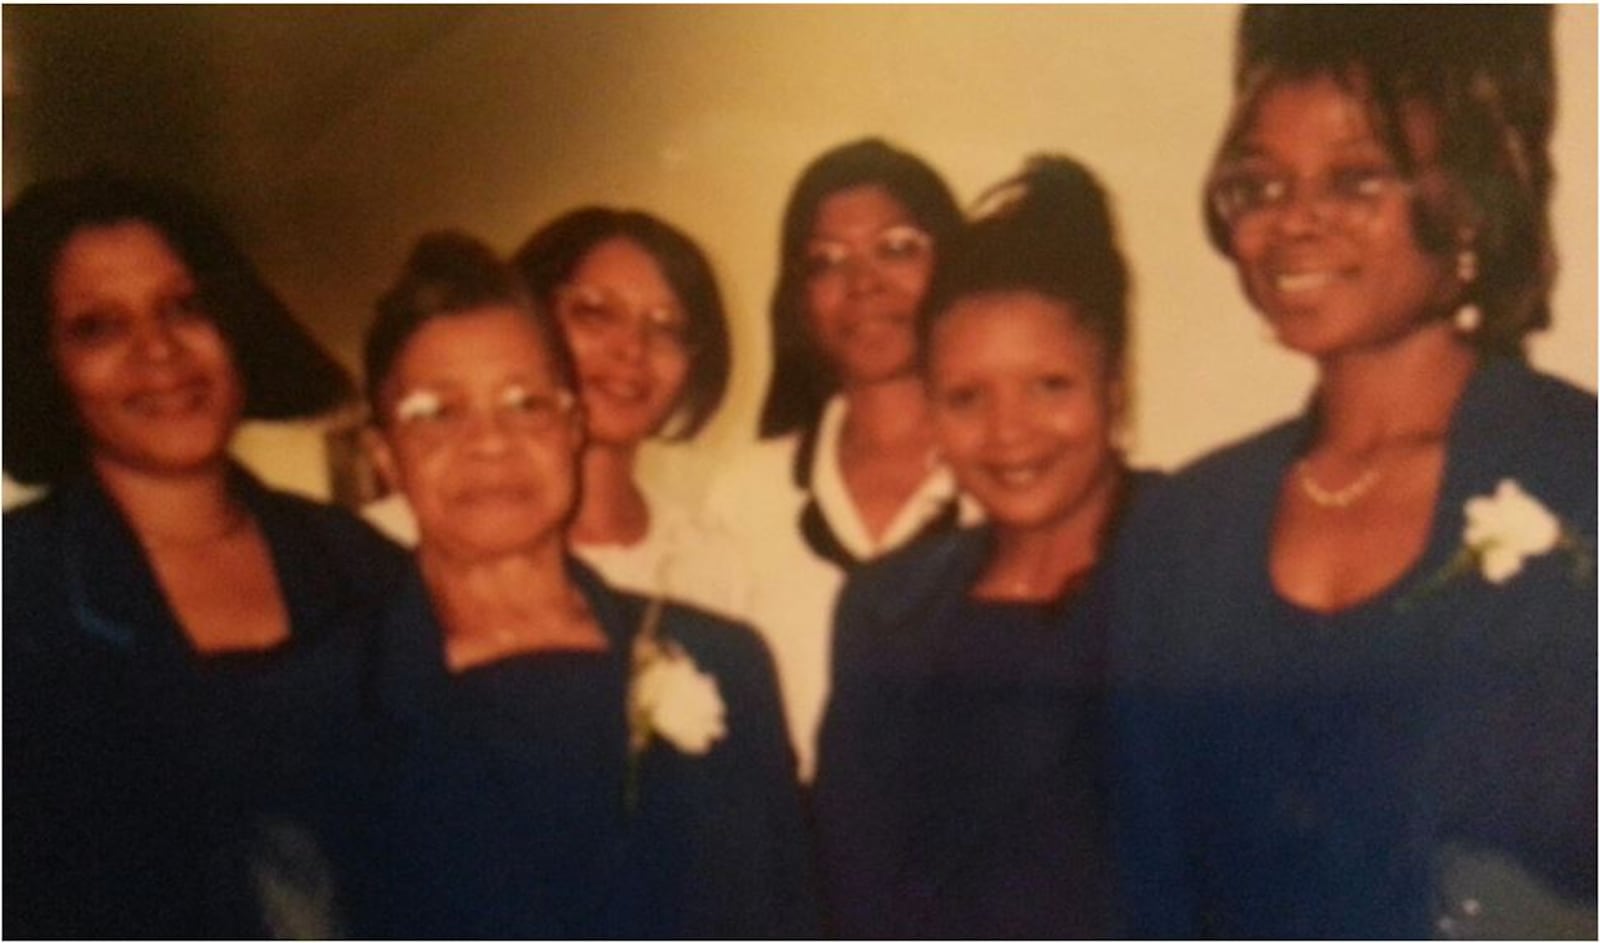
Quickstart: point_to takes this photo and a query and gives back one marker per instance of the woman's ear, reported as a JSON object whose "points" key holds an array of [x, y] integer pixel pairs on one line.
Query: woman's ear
{"points": [[382, 457], [1117, 406]]}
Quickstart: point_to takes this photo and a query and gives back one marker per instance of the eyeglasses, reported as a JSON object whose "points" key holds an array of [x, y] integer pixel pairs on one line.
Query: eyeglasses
{"points": [[598, 313], [441, 416], [896, 248], [1346, 196]]}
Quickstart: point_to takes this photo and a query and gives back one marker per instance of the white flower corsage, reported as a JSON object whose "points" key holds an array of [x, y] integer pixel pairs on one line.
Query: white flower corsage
{"points": [[1503, 531], [669, 697]]}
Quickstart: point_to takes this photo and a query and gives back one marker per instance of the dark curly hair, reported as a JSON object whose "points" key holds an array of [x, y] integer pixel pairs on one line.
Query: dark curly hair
{"points": [[284, 372], [1049, 231], [801, 379], [1486, 74], [449, 273], [550, 256]]}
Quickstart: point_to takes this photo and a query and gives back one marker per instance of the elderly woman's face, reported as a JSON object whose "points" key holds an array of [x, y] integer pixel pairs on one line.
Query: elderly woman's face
{"points": [[1321, 220], [867, 266], [479, 435], [629, 335], [149, 373], [1024, 403]]}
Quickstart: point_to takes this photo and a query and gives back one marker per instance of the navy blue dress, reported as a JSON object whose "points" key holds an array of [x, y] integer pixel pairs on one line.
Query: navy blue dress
{"points": [[960, 787], [154, 792], [503, 802], [1421, 763]]}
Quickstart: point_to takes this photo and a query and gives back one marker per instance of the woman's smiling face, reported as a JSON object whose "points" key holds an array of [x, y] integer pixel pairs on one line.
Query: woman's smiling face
{"points": [[629, 336], [149, 373], [867, 267], [1024, 404], [1324, 241]]}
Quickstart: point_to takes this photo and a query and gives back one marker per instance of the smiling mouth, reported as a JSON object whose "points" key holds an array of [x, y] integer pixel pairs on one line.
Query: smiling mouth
{"points": [[1291, 283], [1019, 476], [630, 392], [169, 404]]}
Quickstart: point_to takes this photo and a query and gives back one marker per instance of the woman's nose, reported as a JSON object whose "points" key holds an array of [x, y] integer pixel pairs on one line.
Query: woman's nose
{"points": [[1306, 210], [154, 340], [486, 432], [1008, 420], [861, 274], [630, 339]]}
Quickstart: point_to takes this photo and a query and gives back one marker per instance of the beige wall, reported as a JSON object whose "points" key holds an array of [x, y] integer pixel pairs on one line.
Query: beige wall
{"points": [[706, 114]]}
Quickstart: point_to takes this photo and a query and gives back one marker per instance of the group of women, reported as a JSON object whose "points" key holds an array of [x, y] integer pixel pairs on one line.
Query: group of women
{"points": [[933, 661]]}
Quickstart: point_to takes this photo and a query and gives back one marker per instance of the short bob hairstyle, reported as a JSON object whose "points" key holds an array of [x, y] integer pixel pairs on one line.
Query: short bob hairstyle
{"points": [[449, 274], [284, 372], [550, 256], [802, 380], [1046, 231], [1485, 74]]}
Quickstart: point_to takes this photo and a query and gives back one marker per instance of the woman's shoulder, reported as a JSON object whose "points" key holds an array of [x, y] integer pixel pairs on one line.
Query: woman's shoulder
{"points": [[341, 540], [1213, 482], [1535, 429]]}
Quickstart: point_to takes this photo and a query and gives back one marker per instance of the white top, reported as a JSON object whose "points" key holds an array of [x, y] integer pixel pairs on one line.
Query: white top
{"points": [[756, 502], [679, 559]]}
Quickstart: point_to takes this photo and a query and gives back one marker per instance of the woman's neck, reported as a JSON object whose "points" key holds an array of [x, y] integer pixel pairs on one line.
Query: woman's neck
{"points": [[1405, 391], [613, 509], [189, 509], [1039, 564], [510, 604]]}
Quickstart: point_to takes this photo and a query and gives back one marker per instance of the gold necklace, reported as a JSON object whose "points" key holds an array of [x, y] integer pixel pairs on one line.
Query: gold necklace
{"points": [[1336, 499]]}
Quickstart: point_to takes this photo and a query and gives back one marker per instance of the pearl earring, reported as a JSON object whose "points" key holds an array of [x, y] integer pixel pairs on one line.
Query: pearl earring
{"points": [[1469, 317]]}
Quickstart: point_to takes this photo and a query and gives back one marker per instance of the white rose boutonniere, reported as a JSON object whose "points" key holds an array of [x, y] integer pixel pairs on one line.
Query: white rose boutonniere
{"points": [[1506, 529], [1503, 531], [668, 697], [673, 699]]}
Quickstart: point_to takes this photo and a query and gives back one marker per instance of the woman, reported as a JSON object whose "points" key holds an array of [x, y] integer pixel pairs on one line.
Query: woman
{"points": [[847, 470], [641, 312], [560, 759], [181, 643], [1359, 647], [959, 791]]}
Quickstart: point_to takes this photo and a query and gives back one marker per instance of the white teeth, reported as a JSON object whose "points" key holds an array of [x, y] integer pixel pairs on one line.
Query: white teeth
{"points": [[1301, 281], [1017, 477], [622, 390]]}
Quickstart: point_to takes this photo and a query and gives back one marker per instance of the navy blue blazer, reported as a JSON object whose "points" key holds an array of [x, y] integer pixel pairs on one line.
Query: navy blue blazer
{"points": [[504, 806], [960, 787], [1285, 773], [142, 780]]}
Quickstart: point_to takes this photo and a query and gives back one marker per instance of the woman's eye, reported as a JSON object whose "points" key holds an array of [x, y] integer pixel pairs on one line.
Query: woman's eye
{"points": [[1360, 183], [93, 328], [822, 259], [668, 327], [960, 398], [1053, 385], [1253, 191], [423, 407], [903, 242], [524, 402]]}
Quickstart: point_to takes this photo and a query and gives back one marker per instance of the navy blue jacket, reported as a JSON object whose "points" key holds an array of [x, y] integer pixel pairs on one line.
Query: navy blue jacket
{"points": [[144, 783], [960, 786], [1414, 765], [504, 804]]}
